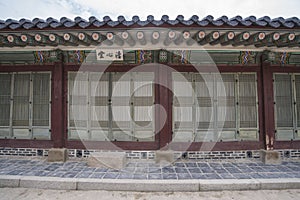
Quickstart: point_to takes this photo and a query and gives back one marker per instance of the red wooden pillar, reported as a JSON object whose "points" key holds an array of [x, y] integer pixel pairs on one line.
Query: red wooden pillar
{"points": [[268, 103], [165, 96], [57, 111]]}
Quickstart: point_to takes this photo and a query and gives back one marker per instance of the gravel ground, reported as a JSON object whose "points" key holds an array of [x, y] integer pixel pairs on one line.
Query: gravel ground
{"points": [[36, 194]]}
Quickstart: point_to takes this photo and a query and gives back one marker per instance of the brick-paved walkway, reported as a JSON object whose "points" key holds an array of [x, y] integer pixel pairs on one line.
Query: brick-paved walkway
{"points": [[150, 170]]}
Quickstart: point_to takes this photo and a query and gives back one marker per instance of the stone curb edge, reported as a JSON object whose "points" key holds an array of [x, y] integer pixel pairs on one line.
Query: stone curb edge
{"points": [[147, 185]]}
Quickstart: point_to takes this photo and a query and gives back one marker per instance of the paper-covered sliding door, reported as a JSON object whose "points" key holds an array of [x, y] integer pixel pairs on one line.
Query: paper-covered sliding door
{"points": [[99, 109], [226, 106], [25, 105], [183, 107], [247, 107], [112, 106], [41, 104], [283, 106], [143, 106], [21, 106], [205, 115], [78, 105], [214, 107], [5, 104], [122, 89], [132, 105], [287, 106]]}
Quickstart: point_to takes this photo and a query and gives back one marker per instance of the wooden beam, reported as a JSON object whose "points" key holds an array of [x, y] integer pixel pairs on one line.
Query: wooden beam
{"points": [[155, 37], [128, 38], [43, 40], [56, 39], [28, 39], [141, 37], [187, 37], [98, 38], [227, 38], [113, 38], [15, 40], [213, 37], [295, 42], [199, 37], [5, 41], [84, 39], [256, 38], [171, 36], [179, 39], [241, 38], [286, 39], [70, 39], [271, 39]]}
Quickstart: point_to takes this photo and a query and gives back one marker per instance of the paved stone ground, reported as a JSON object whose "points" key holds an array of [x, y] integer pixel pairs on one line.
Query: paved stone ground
{"points": [[149, 170]]}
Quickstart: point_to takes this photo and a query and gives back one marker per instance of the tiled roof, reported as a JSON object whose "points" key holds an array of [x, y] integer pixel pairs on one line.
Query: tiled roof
{"points": [[209, 20]]}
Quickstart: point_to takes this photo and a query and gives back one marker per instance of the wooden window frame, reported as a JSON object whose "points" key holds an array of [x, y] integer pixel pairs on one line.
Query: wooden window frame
{"points": [[55, 135], [269, 69], [163, 96]]}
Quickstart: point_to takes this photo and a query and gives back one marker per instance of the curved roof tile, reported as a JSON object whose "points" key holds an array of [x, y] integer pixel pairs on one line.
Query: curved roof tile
{"points": [[84, 24], [42, 25], [142, 23], [246, 23], [14, 26], [113, 23], [187, 22], [264, 21], [150, 18], [157, 22], [233, 23], [135, 19], [261, 23], [106, 19], [218, 22], [173, 22], [203, 22], [194, 18], [98, 23], [69, 24], [127, 23], [250, 18]]}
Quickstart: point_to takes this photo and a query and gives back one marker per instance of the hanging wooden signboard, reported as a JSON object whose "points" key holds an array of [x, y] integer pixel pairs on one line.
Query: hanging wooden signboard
{"points": [[109, 54]]}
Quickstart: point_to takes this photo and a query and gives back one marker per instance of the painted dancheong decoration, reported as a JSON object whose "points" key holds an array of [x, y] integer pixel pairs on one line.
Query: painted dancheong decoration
{"points": [[181, 56], [247, 57], [144, 56]]}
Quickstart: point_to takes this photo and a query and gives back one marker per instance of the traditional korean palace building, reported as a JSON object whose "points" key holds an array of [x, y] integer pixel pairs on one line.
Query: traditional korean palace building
{"points": [[205, 88]]}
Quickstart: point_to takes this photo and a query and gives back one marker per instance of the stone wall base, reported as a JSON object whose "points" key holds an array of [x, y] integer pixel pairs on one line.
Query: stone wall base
{"points": [[285, 154], [113, 160], [163, 157], [57, 155], [270, 157]]}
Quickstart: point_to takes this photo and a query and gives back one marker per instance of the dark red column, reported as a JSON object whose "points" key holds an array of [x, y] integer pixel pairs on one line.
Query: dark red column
{"points": [[57, 110], [268, 103], [165, 96]]}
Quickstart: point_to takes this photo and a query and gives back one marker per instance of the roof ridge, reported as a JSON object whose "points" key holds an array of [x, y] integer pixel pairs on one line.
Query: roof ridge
{"points": [[265, 21]]}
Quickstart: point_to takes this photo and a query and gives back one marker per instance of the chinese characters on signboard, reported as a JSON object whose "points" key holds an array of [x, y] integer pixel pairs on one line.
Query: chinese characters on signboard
{"points": [[109, 54]]}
